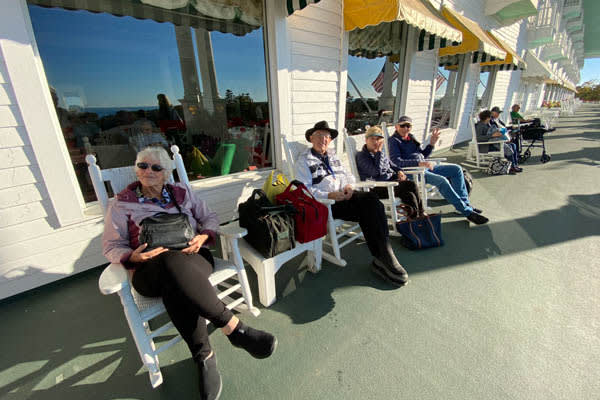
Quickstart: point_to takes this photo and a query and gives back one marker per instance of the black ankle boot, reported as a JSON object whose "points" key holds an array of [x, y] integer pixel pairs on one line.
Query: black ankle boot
{"points": [[387, 266], [209, 378], [258, 343]]}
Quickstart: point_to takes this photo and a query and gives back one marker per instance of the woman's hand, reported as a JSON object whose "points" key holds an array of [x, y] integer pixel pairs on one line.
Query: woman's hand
{"points": [[427, 164], [195, 244], [401, 176], [137, 255]]}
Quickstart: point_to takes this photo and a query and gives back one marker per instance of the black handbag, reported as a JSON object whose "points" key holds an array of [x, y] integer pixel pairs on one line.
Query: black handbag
{"points": [[172, 231], [270, 228], [499, 166]]}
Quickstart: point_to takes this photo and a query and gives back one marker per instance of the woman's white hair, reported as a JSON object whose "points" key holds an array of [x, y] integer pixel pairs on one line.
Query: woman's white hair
{"points": [[157, 153]]}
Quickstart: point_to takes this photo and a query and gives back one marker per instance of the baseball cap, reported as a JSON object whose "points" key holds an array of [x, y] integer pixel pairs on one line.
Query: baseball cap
{"points": [[374, 131], [404, 119]]}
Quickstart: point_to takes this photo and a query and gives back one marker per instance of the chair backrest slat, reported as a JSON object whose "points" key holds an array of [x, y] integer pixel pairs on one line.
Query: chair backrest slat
{"points": [[291, 150], [354, 144]]}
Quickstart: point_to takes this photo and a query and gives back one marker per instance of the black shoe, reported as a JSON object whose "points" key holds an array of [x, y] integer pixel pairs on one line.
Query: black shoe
{"points": [[259, 344], [383, 272], [518, 169], [477, 218], [477, 210], [209, 378], [512, 171]]}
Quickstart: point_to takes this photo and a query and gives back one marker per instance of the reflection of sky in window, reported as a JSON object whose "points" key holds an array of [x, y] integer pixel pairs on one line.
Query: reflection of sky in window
{"points": [[364, 71], [125, 62]]}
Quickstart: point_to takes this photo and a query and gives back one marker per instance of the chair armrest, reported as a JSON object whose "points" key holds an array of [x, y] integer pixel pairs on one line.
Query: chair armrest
{"points": [[494, 142], [232, 231], [113, 279], [437, 160], [363, 184], [327, 202], [384, 183]]}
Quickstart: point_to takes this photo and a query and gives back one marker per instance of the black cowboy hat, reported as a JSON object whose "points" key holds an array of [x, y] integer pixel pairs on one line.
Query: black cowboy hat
{"points": [[321, 126]]}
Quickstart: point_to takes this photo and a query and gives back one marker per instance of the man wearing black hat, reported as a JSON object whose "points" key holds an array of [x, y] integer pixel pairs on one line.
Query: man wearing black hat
{"points": [[405, 151], [323, 174]]}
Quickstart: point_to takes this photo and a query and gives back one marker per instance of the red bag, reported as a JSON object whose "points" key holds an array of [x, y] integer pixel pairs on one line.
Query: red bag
{"points": [[311, 215]]}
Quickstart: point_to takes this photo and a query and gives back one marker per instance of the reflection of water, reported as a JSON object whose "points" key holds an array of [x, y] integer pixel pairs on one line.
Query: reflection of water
{"points": [[104, 111]]}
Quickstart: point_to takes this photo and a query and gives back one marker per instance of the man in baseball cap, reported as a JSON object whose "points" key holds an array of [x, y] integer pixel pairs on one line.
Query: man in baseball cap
{"points": [[406, 151]]}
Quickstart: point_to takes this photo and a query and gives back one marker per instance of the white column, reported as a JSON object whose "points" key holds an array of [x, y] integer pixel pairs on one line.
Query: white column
{"points": [[189, 76], [210, 91]]}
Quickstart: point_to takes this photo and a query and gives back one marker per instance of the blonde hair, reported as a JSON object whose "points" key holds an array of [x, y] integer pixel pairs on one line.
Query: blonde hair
{"points": [[158, 153], [373, 130]]}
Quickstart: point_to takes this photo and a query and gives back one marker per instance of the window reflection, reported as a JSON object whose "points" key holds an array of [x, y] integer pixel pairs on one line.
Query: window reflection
{"points": [[121, 83]]}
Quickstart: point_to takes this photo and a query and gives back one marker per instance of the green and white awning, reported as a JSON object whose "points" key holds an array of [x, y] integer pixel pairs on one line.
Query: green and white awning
{"points": [[238, 17], [295, 5]]}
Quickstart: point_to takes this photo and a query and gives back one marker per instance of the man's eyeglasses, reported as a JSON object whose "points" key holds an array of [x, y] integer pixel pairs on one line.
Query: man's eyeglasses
{"points": [[406, 126], [154, 167], [322, 135]]}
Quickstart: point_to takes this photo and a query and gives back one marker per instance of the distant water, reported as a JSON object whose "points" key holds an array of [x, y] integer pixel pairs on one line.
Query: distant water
{"points": [[104, 111]]}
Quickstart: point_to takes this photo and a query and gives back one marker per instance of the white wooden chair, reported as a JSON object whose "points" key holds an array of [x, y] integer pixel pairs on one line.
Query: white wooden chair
{"points": [[427, 191], [482, 160], [229, 277], [339, 232], [354, 144], [265, 268]]}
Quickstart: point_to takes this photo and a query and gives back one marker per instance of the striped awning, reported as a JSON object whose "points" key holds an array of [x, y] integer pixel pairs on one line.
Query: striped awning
{"points": [[237, 17], [511, 62], [295, 5], [377, 27], [475, 40]]}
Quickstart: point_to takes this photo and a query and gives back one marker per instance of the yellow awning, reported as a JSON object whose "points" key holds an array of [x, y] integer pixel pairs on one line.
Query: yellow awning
{"points": [[511, 60], [475, 39], [363, 13]]}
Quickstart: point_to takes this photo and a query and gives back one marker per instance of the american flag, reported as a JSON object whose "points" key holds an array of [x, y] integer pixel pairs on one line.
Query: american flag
{"points": [[378, 82], [439, 80]]}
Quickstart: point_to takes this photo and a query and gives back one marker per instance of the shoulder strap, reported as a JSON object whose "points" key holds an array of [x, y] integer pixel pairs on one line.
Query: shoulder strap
{"points": [[173, 197]]}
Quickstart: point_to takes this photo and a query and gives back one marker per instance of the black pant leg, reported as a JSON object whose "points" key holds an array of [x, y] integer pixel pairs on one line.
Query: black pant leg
{"points": [[369, 212], [182, 282]]}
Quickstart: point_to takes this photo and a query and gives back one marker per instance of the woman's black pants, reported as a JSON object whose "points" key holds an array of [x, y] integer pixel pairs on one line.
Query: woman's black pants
{"points": [[182, 282]]}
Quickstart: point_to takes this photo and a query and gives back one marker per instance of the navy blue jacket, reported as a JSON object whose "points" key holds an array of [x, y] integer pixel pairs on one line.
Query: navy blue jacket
{"points": [[375, 166], [407, 153]]}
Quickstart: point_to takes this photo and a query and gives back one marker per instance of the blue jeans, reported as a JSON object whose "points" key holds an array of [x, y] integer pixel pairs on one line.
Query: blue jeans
{"points": [[510, 152], [454, 190]]}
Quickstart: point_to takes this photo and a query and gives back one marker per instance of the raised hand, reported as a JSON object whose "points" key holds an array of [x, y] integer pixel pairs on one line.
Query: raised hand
{"points": [[139, 255]]}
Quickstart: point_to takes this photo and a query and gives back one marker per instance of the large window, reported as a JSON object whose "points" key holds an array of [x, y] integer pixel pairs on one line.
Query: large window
{"points": [[371, 92], [122, 79]]}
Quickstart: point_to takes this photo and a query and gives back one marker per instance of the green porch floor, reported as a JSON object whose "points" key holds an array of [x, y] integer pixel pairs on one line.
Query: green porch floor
{"points": [[507, 310]]}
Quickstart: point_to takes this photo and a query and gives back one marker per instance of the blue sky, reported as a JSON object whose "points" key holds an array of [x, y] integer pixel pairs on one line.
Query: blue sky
{"points": [[590, 70]]}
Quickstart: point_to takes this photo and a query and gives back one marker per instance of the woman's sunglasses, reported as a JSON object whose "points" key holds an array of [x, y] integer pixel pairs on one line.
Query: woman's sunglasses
{"points": [[154, 167]]}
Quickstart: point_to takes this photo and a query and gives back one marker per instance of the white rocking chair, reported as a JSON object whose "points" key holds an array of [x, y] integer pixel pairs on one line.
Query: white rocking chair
{"points": [[481, 160], [340, 232], [229, 277], [354, 144]]}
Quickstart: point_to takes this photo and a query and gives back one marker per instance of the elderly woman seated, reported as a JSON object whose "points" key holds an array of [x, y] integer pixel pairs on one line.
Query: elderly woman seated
{"points": [[373, 164], [485, 131], [180, 277]]}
